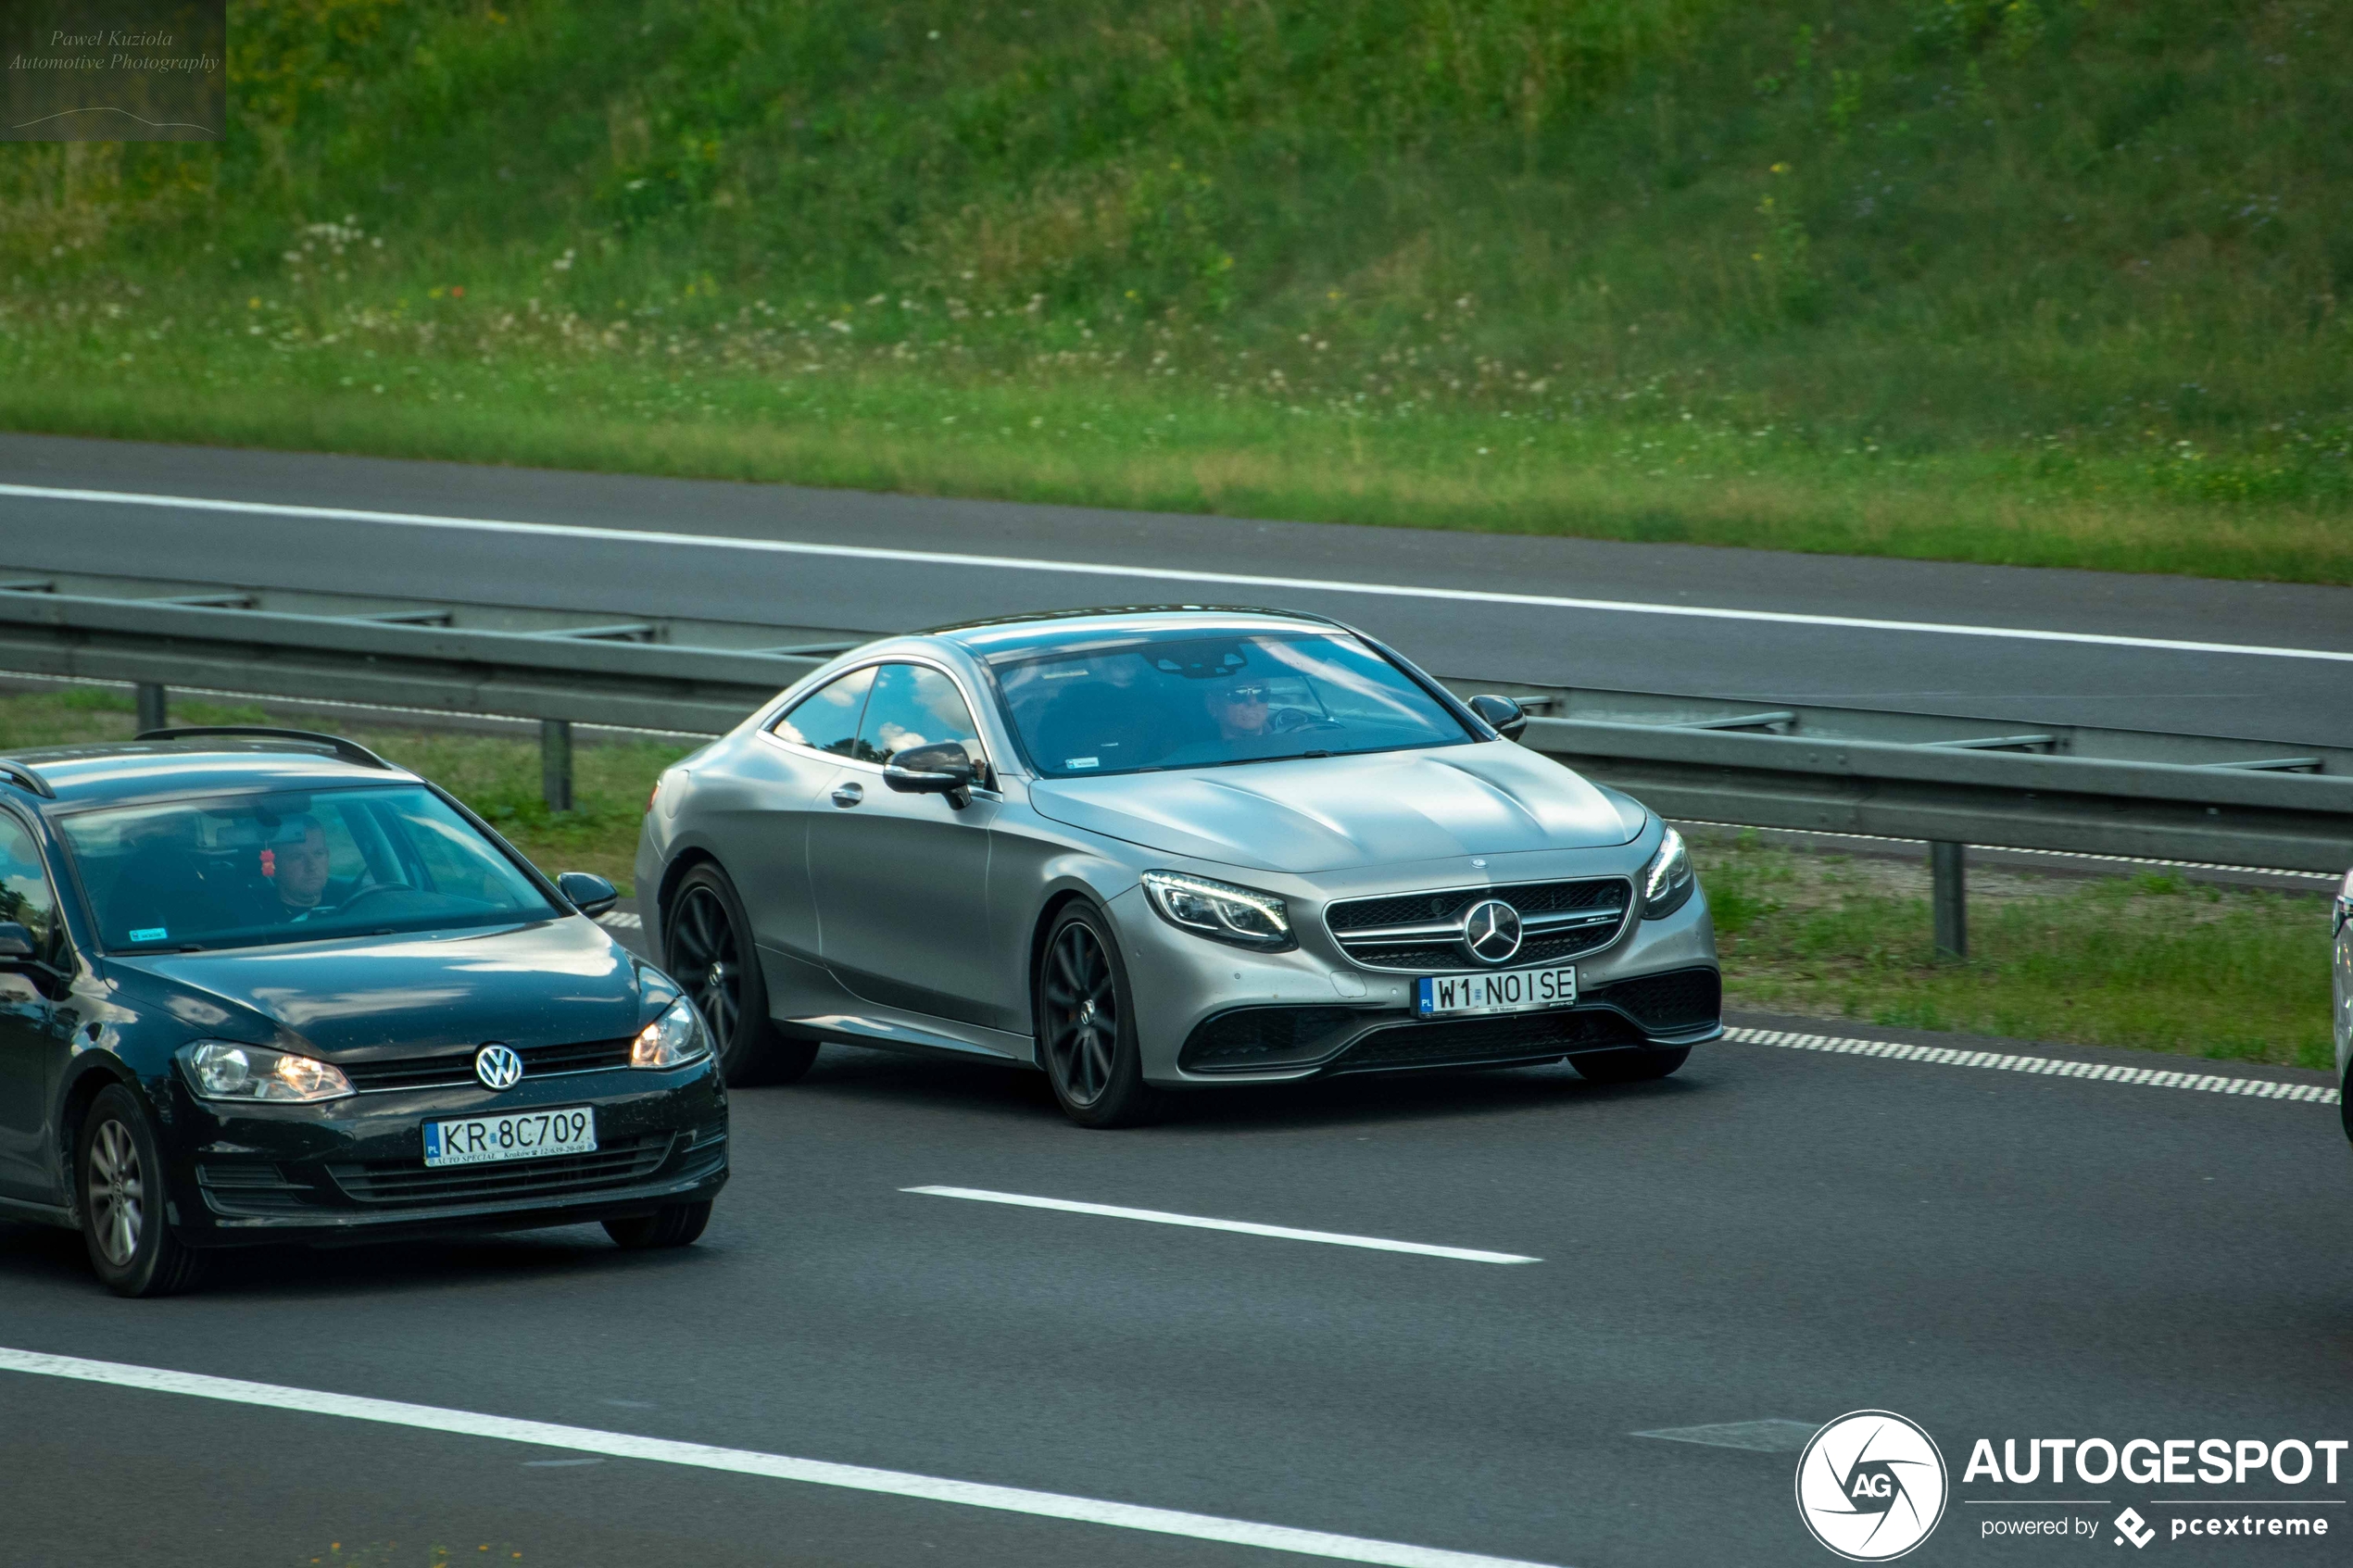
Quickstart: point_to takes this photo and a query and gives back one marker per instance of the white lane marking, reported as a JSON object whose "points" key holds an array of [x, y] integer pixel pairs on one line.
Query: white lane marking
{"points": [[2104, 1073], [1280, 1233], [1769, 1436], [622, 919], [744, 1461], [1166, 574]]}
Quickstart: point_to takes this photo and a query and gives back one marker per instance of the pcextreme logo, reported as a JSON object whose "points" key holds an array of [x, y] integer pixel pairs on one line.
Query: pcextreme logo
{"points": [[1871, 1485]]}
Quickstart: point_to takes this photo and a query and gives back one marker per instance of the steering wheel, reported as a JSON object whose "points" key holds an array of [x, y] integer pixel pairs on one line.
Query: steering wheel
{"points": [[362, 894], [1293, 721]]}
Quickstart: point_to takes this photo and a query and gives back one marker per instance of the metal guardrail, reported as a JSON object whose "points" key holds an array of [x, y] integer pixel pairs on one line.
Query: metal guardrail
{"points": [[1947, 778]]}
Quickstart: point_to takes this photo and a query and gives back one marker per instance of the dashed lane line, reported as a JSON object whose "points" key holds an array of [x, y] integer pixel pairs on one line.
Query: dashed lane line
{"points": [[1280, 1233], [746, 1462], [2095, 1072], [1149, 573]]}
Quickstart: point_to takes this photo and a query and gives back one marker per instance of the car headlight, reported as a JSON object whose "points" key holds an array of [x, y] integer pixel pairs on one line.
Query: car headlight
{"points": [[1668, 880], [221, 1070], [1219, 910], [674, 1039]]}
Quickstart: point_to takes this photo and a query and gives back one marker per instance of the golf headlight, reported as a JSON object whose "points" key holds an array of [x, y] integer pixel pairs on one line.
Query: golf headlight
{"points": [[674, 1039], [1219, 910], [1668, 880], [220, 1070]]}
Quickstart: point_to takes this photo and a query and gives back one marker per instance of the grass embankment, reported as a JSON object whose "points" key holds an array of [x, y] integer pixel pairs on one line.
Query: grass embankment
{"points": [[495, 775], [2152, 964], [2037, 280]]}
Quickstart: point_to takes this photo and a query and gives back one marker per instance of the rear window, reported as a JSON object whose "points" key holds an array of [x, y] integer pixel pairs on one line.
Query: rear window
{"points": [[235, 871]]}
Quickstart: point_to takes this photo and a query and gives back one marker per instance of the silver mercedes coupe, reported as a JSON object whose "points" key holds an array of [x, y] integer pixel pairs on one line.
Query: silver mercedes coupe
{"points": [[1157, 849]]}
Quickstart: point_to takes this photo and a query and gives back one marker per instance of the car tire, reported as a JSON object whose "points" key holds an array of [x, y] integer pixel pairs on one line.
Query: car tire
{"points": [[1637, 1066], [123, 1194], [707, 947], [1097, 1068], [677, 1225]]}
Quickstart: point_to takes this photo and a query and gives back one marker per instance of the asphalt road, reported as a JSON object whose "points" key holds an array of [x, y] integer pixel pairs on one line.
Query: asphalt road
{"points": [[1774, 1234], [1158, 559]]}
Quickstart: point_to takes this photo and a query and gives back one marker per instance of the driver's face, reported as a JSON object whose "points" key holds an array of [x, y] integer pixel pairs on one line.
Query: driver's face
{"points": [[1240, 710], [302, 869]]}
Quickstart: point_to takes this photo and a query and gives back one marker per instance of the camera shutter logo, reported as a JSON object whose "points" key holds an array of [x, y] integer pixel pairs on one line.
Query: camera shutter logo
{"points": [[498, 1066], [1871, 1485]]}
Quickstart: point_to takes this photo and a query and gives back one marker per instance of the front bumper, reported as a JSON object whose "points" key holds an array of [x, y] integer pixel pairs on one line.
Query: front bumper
{"points": [[1208, 1013], [353, 1169]]}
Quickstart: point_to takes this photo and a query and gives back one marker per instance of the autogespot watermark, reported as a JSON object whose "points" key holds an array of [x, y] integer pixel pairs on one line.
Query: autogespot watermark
{"points": [[1871, 1485], [114, 70]]}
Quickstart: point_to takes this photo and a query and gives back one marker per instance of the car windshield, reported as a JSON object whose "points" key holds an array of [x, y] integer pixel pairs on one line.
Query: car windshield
{"points": [[1183, 699], [241, 871]]}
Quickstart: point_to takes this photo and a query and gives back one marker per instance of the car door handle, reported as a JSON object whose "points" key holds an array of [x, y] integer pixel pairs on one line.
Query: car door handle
{"points": [[848, 794]]}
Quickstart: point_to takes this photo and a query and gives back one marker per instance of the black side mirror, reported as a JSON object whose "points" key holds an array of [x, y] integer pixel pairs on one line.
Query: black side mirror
{"points": [[1503, 713], [16, 944], [589, 892], [945, 769]]}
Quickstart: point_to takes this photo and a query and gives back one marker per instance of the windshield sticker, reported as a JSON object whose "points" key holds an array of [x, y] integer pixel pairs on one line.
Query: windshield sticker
{"points": [[152, 934], [1061, 674], [1082, 761]]}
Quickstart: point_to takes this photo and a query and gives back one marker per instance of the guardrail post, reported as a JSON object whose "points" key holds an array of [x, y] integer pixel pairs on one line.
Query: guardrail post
{"points": [[555, 763], [1948, 874], [153, 710]]}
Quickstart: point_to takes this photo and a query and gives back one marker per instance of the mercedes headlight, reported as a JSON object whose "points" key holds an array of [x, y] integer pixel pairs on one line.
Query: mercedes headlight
{"points": [[674, 1039], [221, 1070], [1668, 880], [1219, 910]]}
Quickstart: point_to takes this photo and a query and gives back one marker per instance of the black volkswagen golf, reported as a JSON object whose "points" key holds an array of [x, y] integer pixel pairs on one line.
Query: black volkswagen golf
{"points": [[264, 986]]}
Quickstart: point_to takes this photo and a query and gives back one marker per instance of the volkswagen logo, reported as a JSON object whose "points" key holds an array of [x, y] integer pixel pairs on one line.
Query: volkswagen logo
{"points": [[1492, 931], [499, 1068]]}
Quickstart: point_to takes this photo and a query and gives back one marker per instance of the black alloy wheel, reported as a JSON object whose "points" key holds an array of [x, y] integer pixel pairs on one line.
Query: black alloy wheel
{"points": [[708, 949], [119, 1187], [1637, 1065], [1086, 1024]]}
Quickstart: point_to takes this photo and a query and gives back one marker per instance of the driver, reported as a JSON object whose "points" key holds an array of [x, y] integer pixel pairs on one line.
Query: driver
{"points": [[296, 866], [1239, 709]]}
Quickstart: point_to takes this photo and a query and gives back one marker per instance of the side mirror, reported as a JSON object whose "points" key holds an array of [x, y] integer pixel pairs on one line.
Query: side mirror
{"points": [[16, 944], [1503, 713], [945, 769], [589, 892]]}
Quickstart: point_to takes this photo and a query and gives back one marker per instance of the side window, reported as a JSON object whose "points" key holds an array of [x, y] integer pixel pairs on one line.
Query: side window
{"points": [[913, 706], [25, 895], [827, 718]]}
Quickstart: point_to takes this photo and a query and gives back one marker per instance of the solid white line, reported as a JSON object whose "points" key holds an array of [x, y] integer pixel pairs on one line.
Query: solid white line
{"points": [[1280, 1233], [1168, 574], [2104, 1073], [744, 1462]]}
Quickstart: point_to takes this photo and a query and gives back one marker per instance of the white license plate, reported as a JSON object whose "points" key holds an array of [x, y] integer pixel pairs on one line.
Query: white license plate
{"points": [[1510, 990], [525, 1135]]}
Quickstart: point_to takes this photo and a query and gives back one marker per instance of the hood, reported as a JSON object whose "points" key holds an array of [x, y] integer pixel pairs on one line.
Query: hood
{"points": [[550, 983], [1330, 814]]}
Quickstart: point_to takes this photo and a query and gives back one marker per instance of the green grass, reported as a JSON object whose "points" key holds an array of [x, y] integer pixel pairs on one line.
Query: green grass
{"points": [[2152, 963], [2029, 280], [497, 776]]}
